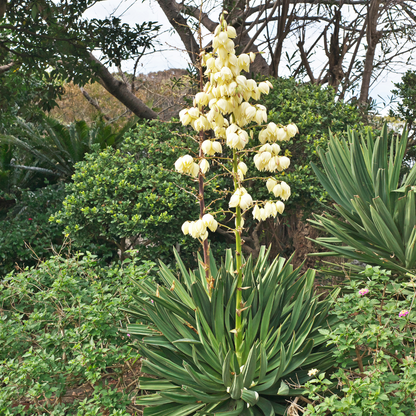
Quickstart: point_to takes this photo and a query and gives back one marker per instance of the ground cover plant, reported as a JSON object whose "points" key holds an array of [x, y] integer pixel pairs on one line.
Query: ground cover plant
{"points": [[60, 349], [375, 350], [26, 235]]}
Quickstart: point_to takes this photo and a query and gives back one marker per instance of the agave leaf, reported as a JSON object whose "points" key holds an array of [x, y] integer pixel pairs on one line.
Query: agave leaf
{"points": [[250, 367], [266, 407], [236, 388], [172, 410], [203, 382], [388, 237], [146, 383], [409, 215], [251, 397], [179, 289], [178, 396], [279, 409], [410, 250], [263, 364], [264, 326], [153, 399], [299, 358], [236, 412], [206, 398], [226, 370], [202, 301], [206, 369]]}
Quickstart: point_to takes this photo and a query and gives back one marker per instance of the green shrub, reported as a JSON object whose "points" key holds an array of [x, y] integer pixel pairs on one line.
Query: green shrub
{"points": [[132, 197], [58, 331], [26, 235], [315, 110], [375, 351]]}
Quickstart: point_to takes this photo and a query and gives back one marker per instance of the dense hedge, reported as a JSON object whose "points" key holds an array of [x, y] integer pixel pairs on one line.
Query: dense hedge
{"points": [[60, 349]]}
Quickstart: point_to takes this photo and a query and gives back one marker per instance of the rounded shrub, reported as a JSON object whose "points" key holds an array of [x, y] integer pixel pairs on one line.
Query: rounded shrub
{"points": [[131, 197]]}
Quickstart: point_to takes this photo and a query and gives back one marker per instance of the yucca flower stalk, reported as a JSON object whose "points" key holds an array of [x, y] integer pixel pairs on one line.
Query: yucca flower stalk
{"points": [[223, 107]]}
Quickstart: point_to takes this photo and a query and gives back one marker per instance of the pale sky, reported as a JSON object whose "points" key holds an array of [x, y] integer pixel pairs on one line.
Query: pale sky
{"points": [[171, 54]]}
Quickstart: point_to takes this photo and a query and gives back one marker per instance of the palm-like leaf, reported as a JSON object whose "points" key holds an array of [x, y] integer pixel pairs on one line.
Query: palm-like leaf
{"points": [[376, 221], [186, 338], [58, 147]]}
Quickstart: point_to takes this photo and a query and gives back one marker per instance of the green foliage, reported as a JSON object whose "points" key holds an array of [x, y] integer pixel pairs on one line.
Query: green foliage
{"points": [[382, 343], [42, 35], [406, 92], [54, 148], [26, 96], [315, 110], [132, 196], [26, 235], [376, 207], [59, 331], [187, 338]]}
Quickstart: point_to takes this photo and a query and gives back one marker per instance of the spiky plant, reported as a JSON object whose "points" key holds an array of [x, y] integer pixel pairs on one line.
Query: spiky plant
{"points": [[375, 212], [56, 147], [188, 348]]}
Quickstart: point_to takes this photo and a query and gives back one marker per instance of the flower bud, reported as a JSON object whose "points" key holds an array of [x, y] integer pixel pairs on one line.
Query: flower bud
{"points": [[222, 37], [291, 130], [246, 202], [269, 209], [264, 88], [251, 84], [185, 227], [280, 134], [194, 171], [231, 32], [284, 163], [243, 167], [277, 190], [252, 56], [210, 222], [280, 206], [201, 98], [270, 184], [256, 213], [204, 166], [285, 194], [216, 146]]}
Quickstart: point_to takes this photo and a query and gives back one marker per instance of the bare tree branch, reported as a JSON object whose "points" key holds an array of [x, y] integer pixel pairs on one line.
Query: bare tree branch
{"points": [[7, 67], [120, 91], [93, 102]]}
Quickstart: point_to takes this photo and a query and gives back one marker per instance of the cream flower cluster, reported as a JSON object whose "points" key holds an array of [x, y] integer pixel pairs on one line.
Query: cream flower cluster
{"points": [[186, 164], [241, 198], [270, 210], [280, 190], [268, 159], [198, 229], [224, 107], [273, 133]]}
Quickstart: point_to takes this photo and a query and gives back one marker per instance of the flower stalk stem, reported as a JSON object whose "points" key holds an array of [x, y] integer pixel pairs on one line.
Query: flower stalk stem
{"points": [[238, 255]]}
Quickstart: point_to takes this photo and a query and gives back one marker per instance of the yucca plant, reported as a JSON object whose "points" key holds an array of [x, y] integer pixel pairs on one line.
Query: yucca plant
{"points": [[375, 217], [186, 339], [240, 339]]}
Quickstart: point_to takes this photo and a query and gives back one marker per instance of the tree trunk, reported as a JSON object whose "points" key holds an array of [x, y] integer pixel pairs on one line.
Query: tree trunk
{"points": [[120, 91], [373, 37], [179, 23]]}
